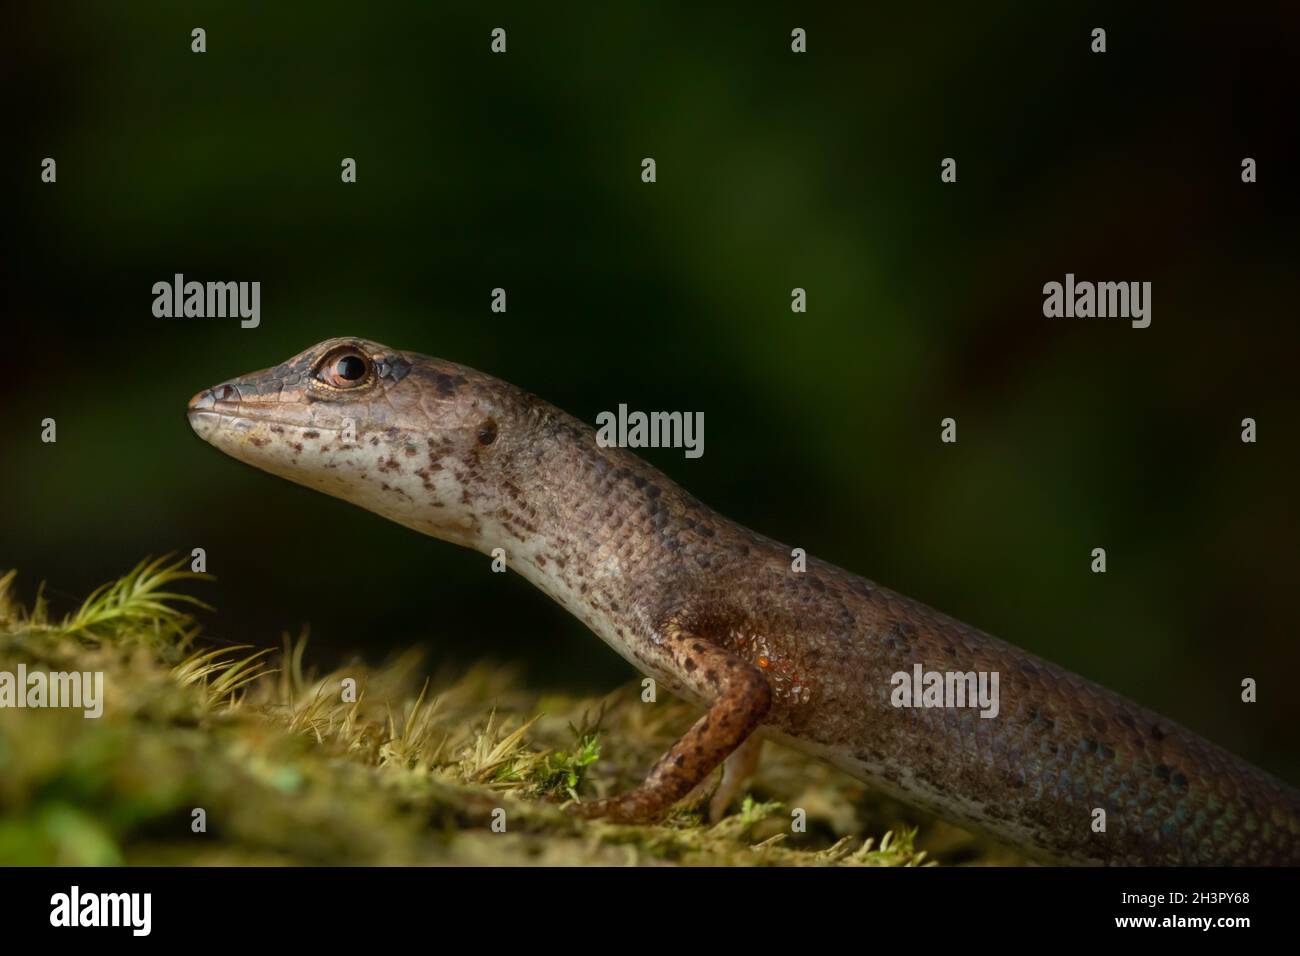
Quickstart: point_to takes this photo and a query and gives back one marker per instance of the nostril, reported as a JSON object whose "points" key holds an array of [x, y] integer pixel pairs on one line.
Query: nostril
{"points": [[208, 399]]}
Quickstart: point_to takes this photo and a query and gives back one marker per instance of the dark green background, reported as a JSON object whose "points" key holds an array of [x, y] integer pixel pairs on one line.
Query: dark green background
{"points": [[775, 171]]}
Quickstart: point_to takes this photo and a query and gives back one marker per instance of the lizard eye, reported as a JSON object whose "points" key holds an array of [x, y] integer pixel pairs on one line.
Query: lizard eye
{"points": [[345, 369]]}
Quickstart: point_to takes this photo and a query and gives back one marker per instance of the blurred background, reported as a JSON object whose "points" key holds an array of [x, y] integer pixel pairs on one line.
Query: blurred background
{"points": [[775, 170]]}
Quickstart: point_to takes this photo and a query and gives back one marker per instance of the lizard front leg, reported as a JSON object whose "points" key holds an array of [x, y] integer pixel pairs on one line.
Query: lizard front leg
{"points": [[741, 697]]}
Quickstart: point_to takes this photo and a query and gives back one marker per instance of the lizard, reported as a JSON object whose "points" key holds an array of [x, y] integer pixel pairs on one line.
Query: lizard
{"points": [[719, 615]]}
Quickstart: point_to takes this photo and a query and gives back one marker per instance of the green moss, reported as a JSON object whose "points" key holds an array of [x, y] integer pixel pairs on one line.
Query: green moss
{"points": [[291, 767]]}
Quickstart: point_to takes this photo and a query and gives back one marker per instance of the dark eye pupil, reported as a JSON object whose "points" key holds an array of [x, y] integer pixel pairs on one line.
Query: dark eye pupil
{"points": [[350, 368]]}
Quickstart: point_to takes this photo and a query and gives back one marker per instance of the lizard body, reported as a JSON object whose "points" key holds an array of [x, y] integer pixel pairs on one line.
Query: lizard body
{"points": [[714, 612]]}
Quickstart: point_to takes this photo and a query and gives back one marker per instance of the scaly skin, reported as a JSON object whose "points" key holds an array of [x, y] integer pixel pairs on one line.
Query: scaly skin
{"points": [[715, 613]]}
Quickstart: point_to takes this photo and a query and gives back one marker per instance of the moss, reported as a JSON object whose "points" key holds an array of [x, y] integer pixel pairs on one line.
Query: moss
{"points": [[290, 767]]}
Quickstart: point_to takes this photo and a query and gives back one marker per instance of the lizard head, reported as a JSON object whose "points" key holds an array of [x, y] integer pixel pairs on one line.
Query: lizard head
{"points": [[417, 439]]}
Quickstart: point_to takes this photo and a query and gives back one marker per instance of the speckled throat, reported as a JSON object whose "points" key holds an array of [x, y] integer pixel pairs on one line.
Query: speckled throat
{"points": [[716, 613]]}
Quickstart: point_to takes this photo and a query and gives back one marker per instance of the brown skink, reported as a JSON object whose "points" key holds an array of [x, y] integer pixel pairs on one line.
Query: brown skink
{"points": [[808, 655]]}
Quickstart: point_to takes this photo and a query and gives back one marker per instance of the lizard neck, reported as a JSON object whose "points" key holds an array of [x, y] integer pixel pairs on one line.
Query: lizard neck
{"points": [[594, 528]]}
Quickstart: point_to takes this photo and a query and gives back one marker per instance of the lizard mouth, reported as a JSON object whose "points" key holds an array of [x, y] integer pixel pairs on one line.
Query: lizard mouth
{"points": [[219, 399], [221, 406], [210, 407]]}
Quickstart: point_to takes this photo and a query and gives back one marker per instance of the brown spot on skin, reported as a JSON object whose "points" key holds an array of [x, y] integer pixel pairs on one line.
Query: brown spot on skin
{"points": [[312, 434], [297, 446], [411, 451], [259, 441], [277, 430]]}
